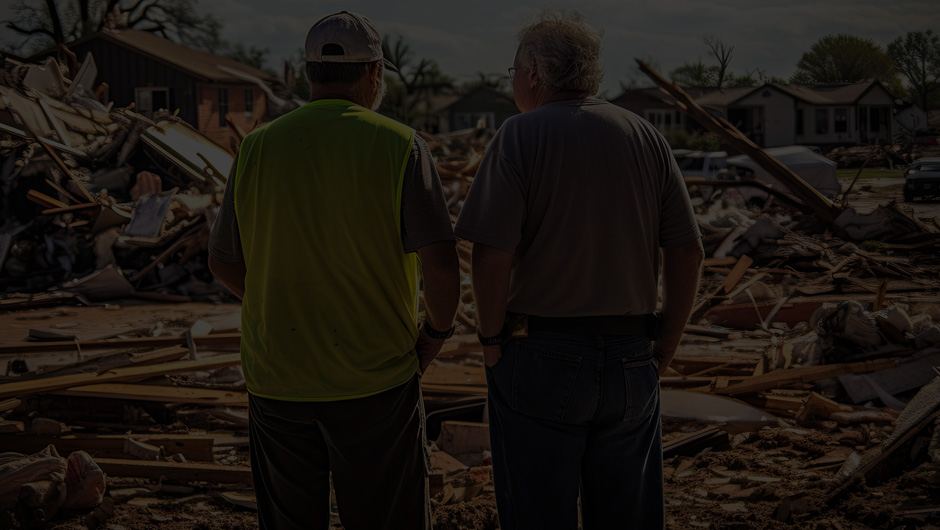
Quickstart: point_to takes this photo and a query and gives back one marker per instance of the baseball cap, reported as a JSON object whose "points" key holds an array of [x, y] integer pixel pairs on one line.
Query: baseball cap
{"points": [[354, 34]]}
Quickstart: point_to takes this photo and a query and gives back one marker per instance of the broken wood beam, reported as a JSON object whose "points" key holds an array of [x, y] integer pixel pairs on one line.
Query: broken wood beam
{"points": [[820, 204], [124, 374], [696, 442], [738, 272], [805, 374], [172, 471], [160, 394], [192, 447], [220, 340]]}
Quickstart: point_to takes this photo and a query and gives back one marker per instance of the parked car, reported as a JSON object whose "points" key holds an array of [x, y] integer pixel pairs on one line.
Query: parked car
{"points": [[703, 164], [926, 137], [922, 179]]}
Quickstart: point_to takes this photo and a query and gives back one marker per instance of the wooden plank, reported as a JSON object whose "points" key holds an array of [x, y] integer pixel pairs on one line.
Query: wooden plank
{"points": [[9, 404], [806, 374], [42, 199], [65, 169], [208, 342], [172, 471], [161, 394], [198, 448], [738, 272], [61, 190], [73, 208], [694, 443], [125, 374]]}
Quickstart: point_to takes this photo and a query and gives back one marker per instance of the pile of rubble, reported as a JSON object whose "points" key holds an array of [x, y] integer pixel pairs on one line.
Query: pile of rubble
{"points": [[814, 329], [115, 202]]}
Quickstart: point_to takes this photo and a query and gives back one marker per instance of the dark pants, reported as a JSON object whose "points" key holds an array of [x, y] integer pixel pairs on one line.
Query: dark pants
{"points": [[375, 448], [576, 415]]}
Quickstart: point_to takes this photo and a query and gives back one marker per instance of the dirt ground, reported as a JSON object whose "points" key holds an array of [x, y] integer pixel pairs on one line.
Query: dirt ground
{"points": [[739, 486]]}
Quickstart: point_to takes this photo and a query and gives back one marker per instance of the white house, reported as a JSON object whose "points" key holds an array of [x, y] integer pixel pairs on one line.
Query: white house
{"points": [[775, 115]]}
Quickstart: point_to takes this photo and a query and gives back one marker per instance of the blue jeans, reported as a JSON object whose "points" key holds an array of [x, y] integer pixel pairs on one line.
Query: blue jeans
{"points": [[576, 415]]}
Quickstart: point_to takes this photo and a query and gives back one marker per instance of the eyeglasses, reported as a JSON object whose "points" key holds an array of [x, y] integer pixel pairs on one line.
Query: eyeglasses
{"points": [[512, 73]]}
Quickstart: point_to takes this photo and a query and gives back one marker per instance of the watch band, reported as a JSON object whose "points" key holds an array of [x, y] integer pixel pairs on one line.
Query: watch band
{"points": [[495, 340], [435, 334]]}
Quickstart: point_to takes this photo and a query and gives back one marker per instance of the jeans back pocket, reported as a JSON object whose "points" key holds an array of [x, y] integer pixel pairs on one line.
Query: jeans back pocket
{"points": [[641, 382], [542, 381]]}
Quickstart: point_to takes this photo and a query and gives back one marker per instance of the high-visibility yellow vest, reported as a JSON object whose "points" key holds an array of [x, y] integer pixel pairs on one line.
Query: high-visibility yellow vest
{"points": [[330, 304]]}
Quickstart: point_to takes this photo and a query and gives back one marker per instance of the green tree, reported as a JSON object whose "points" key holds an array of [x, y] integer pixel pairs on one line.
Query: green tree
{"points": [[917, 57], [695, 74], [847, 59], [42, 24]]}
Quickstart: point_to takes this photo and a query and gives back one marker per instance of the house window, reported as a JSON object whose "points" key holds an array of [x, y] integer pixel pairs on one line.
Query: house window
{"points": [[223, 106], [875, 121], [799, 121], [663, 119], [150, 99], [249, 103], [822, 121], [841, 119]]}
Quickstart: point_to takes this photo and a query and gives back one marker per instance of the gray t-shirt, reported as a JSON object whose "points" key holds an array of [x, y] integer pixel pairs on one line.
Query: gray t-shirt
{"points": [[584, 193], [424, 215]]}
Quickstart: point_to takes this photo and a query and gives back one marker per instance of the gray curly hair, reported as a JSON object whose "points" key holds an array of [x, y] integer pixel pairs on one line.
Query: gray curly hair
{"points": [[563, 50]]}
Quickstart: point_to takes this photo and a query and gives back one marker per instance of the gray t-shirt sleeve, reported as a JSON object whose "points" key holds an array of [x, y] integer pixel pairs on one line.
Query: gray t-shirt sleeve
{"points": [[678, 225], [224, 242], [495, 209], [425, 219]]}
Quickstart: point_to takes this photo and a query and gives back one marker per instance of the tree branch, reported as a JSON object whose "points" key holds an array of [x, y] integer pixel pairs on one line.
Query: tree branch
{"points": [[35, 31]]}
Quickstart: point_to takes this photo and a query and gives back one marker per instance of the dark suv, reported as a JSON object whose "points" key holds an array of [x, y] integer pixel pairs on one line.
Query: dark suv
{"points": [[922, 179]]}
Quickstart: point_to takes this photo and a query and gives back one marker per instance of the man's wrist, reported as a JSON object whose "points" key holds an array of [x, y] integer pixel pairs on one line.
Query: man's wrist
{"points": [[495, 340], [435, 334]]}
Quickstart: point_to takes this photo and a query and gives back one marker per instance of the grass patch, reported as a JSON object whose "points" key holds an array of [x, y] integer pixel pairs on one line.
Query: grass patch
{"points": [[869, 173]]}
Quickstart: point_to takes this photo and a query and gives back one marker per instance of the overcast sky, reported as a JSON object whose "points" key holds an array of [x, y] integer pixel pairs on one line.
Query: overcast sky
{"points": [[469, 37]]}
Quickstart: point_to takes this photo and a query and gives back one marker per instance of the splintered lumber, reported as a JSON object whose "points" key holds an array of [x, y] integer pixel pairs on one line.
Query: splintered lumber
{"points": [[161, 394], [744, 316], [124, 374], [172, 471], [65, 169], [210, 341], [192, 447], [696, 442], [805, 374], [42, 199], [738, 272], [733, 137]]}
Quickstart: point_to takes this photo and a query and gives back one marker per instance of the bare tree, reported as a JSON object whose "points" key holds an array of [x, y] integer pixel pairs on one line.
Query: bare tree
{"points": [[45, 23], [721, 52]]}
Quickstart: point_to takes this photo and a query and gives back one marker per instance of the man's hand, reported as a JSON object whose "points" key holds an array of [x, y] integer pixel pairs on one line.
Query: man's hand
{"points": [[427, 349], [662, 360], [492, 355]]}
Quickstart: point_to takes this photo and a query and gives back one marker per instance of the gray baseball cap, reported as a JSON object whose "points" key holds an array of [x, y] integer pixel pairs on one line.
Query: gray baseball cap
{"points": [[354, 34]]}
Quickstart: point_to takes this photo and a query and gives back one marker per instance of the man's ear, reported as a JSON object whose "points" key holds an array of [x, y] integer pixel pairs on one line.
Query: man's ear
{"points": [[376, 72]]}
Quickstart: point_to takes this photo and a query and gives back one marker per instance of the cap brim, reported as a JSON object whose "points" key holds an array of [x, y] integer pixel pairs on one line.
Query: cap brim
{"points": [[389, 66]]}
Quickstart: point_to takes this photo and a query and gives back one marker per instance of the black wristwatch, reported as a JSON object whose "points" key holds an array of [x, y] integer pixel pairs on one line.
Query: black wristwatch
{"points": [[495, 340], [438, 335]]}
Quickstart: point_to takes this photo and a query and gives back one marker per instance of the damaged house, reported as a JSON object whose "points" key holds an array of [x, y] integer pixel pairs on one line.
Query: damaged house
{"points": [[154, 73]]}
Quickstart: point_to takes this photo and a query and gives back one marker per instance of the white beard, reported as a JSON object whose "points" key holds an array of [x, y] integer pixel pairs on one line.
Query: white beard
{"points": [[383, 90]]}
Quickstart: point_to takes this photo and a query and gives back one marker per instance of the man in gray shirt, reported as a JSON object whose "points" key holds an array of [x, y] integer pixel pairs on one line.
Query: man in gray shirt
{"points": [[576, 208]]}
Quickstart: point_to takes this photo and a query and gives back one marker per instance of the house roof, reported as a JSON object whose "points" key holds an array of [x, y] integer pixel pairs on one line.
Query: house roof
{"points": [[835, 94], [208, 66], [724, 97]]}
